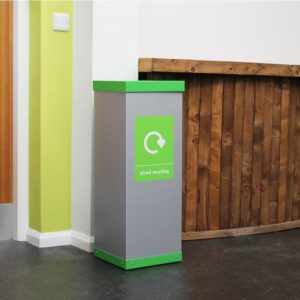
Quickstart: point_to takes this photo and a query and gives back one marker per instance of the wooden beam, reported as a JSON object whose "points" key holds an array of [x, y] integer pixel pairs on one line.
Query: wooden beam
{"points": [[216, 67], [212, 234], [145, 65]]}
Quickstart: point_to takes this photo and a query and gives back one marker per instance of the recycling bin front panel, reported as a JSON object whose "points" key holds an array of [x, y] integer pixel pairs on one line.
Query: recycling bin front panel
{"points": [[153, 174]]}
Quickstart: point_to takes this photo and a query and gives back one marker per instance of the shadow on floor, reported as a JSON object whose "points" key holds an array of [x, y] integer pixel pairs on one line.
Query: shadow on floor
{"points": [[257, 267]]}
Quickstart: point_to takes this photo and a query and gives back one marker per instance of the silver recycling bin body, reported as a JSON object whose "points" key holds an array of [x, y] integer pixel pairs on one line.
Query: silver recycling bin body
{"points": [[138, 172]]}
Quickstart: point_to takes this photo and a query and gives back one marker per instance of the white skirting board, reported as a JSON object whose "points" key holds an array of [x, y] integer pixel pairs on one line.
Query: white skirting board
{"points": [[60, 238], [82, 241]]}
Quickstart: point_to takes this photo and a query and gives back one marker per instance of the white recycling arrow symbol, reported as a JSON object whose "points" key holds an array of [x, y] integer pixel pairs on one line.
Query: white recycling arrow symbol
{"points": [[160, 142]]}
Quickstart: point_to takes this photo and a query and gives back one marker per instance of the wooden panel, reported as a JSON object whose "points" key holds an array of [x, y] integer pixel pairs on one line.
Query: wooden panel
{"points": [[216, 67], [275, 154], [5, 101], [237, 152], [291, 152], [215, 157], [266, 150], [204, 152], [296, 188], [282, 189], [257, 151], [184, 142], [247, 153], [242, 153], [191, 193], [225, 189], [213, 234]]}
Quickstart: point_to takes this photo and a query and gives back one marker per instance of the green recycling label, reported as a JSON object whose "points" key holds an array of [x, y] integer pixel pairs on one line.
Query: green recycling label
{"points": [[154, 148]]}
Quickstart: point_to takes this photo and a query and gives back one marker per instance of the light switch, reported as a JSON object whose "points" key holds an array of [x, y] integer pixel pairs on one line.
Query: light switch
{"points": [[60, 22]]}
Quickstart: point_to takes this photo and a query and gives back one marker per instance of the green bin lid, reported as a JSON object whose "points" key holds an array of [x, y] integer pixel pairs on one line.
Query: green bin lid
{"points": [[142, 86]]}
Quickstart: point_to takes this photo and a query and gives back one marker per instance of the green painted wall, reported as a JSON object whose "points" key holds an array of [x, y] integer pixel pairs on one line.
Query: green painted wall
{"points": [[50, 116], [34, 117]]}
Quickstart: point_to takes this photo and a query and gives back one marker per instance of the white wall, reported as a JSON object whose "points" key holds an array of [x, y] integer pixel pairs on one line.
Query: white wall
{"points": [[20, 118], [249, 31], [105, 40], [82, 123], [115, 38]]}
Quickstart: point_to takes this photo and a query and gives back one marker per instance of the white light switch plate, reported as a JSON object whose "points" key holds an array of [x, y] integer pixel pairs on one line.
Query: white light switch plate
{"points": [[60, 22]]}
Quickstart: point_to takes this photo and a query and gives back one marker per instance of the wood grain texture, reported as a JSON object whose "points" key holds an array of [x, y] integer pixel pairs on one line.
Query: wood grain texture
{"points": [[204, 152], [242, 153], [275, 151], [257, 151], [213, 234], [226, 151], [239, 94], [246, 183], [283, 160], [296, 187], [292, 145], [5, 102], [184, 150], [216, 67], [145, 65], [191, 194], [215, 157], [266, 151]]}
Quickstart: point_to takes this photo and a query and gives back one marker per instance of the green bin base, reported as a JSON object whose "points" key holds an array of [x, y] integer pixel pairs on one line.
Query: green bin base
{"points": [[142, 262]]}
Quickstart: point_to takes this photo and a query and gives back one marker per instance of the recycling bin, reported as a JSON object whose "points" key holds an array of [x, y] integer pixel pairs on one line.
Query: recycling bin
{"points": [[138, 172]]}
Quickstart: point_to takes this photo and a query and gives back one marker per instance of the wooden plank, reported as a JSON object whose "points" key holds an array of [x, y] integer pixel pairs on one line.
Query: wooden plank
{"points": [[284, 129], [145, 65], [226, 155], [247, 153], [6, 102], [192, 140], [215, 157], [204, 151], [187, 78], [296, 188], [275, 154], [217, 67], [212, 234], [266, 151], [257, 150], [184, 146], [291, 151], [239, 94]]}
